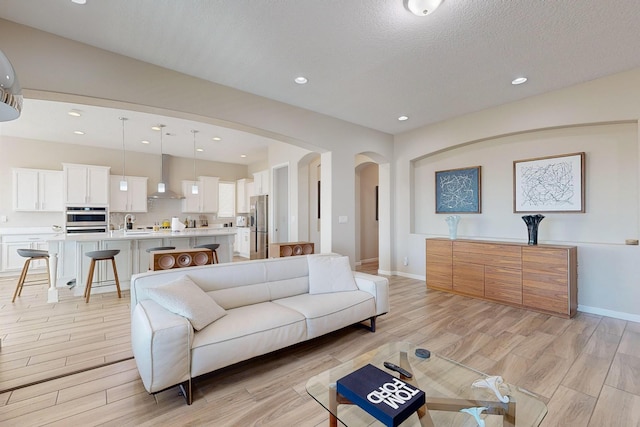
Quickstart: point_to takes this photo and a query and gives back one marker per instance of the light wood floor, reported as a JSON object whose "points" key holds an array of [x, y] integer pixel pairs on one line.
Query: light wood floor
{"points": [[586, 369]]}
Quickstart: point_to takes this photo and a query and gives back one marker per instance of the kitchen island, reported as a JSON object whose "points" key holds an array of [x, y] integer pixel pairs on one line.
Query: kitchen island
{"points": [[68, 265]]}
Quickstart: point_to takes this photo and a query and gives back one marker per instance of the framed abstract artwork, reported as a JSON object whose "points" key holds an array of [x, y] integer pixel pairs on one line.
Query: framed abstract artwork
{"points": [[549, 184], [458, 190]]}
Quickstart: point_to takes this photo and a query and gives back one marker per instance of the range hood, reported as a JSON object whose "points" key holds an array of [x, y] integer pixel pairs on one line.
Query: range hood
{"points": [[168, 194]]}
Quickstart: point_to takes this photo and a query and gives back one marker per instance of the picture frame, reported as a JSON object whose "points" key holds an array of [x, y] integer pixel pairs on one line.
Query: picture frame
{"points": [[459, 190], [550, 184]]}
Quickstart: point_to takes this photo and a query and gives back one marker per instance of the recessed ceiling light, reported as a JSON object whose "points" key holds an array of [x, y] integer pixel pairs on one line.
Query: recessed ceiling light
{"points": [[422, 7], [78, 132], [74, 113], [301, 80], [403, 118], [518, 81], [156, 127], [243, 155], [79, 1], [200, 150], [217, 138], [144, 141]]}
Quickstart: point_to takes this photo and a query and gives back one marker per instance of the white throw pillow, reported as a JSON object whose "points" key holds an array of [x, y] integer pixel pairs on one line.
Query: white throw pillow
{"points": [[185, 298], [330, 274]]}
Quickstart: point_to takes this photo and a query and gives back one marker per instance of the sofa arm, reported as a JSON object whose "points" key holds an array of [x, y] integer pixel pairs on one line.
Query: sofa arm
{"points": [[161, 343], [377, 286]]}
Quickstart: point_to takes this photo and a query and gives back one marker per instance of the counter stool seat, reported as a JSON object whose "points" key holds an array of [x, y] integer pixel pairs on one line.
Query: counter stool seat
{"points": [[103, 255], [212, 247], [161, 248], [30, 255]]}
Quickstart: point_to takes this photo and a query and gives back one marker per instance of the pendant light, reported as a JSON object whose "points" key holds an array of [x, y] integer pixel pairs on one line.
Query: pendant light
{"points": [[10, 91], [161, 185], [194, 187], [123, 181]]}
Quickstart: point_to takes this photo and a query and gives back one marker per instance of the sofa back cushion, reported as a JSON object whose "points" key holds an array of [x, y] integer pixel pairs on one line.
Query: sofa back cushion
{"points": [[240, 296], [235, 284]]}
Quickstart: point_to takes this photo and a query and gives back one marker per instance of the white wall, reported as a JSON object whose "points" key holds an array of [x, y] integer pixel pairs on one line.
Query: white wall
{"points": [[281, 155], [55, 68], [611, 178], [564, 121]]}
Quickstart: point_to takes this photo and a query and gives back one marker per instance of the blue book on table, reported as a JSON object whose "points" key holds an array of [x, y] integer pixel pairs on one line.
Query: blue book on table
{"points": [[387, 398]]}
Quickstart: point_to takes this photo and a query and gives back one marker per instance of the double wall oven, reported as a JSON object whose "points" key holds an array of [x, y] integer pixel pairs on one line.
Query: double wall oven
{"points": [[84, 219]]}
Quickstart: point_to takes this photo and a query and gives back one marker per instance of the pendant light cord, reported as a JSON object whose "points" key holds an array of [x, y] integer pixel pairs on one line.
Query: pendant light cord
{"points": [[123, 155], [194, 153]]}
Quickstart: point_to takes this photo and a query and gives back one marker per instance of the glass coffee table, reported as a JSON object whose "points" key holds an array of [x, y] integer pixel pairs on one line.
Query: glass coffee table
{"points": [[448, 387]]}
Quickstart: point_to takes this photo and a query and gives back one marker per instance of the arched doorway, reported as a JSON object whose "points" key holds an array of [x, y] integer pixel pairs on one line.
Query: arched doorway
{"points": [[373, 210]]}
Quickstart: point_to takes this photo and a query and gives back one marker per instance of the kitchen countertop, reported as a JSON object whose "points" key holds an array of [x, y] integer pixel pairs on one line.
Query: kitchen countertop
{"points": [[142, 234]]}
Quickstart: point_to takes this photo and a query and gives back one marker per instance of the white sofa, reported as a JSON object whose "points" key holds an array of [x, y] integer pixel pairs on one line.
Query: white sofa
{"points": [[267, 306]]}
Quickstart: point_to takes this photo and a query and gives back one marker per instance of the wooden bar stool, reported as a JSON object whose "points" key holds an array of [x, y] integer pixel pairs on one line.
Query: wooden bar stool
{"points": [[30, 255], [212, 247], [102, 255]]}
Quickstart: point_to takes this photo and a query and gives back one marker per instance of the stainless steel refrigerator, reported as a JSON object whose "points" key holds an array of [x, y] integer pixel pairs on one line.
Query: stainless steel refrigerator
{"points": [[258, 222]]}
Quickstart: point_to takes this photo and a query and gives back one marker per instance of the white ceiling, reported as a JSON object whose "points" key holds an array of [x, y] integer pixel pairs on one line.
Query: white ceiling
{"points": [[367, 61], [102, 127]]}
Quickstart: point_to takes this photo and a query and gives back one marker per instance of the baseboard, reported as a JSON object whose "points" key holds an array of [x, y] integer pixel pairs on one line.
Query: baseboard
{"points": [[609, 313], [403, 274]]}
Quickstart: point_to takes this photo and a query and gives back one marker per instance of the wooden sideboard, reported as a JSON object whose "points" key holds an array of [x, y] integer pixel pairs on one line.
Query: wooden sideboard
{"points": [[537, 277]]}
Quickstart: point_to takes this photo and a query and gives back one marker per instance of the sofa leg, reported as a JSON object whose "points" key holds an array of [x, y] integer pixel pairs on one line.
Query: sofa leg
{"points": [[185, 389], [372, 328]]}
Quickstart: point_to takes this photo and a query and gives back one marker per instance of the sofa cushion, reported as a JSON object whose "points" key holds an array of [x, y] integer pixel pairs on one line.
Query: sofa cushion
{"points": [[331, 311], [245, 332], [330, 274], [240, 296], [183, 297]]}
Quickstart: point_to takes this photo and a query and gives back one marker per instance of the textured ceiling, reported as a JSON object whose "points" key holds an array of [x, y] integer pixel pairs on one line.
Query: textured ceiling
{"points": [[367, 61]]}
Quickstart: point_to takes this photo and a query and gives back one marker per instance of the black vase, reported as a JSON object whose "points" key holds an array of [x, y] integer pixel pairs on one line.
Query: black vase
{"points": [[532, 222]]}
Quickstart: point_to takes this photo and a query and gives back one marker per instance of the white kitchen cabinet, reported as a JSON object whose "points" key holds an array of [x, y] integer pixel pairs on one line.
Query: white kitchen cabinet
{"points": [[11, 261], [86, 184], [244, 191], [242, 241], [132, 200], [37, 190], [206, 201], [261, 182]]}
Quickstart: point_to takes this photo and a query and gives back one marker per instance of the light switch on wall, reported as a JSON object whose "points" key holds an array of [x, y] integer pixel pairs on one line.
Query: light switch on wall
{"points": [[3, 218], [342, 219]]}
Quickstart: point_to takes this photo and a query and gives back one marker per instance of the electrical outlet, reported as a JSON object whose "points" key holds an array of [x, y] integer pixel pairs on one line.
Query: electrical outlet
{"points": [[405, 261], [3, 218]]}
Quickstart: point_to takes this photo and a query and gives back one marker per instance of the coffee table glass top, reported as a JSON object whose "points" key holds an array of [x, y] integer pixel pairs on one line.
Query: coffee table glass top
{"points": [[443, 381]]}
